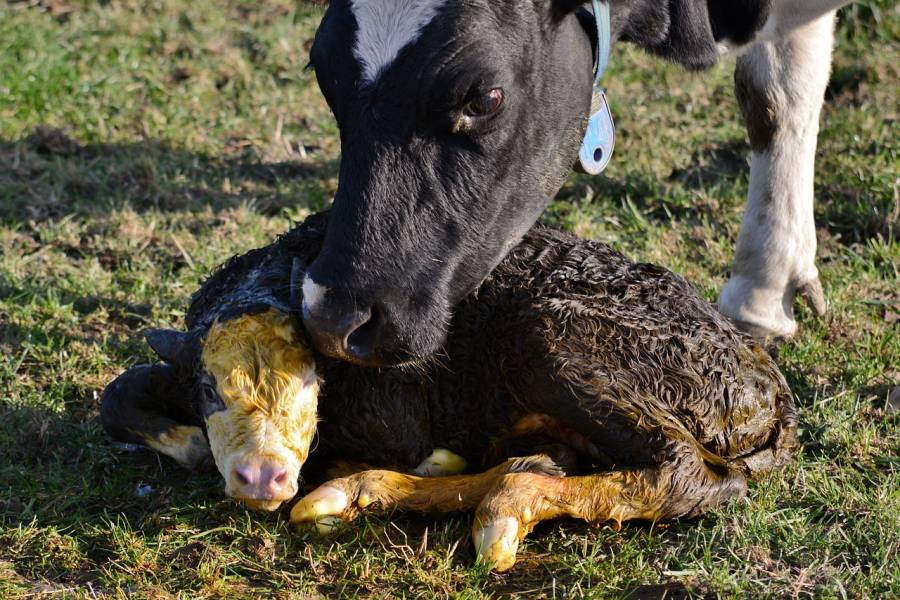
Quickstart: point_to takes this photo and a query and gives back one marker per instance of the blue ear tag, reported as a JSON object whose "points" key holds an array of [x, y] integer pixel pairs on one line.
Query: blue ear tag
{"points": [[600, 137]]}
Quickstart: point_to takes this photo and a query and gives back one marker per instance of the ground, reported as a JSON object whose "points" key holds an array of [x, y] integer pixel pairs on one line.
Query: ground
{"points": [[142, 143]]}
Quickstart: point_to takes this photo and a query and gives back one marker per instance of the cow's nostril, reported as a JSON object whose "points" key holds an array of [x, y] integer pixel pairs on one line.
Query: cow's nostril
{"points": [[361, 341], [281, 478], [353, 323], [345, 332]]}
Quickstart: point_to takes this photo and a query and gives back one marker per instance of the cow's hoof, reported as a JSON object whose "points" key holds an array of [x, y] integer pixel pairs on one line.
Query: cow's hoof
{"points": [[497, 542], [814, 296], [768, 314]]}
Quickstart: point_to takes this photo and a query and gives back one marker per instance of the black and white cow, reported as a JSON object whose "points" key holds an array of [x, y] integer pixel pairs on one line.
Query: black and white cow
{"points": [[460, 119]]}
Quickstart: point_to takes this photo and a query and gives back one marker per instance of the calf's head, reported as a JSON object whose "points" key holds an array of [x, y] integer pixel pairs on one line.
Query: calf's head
{"points": [[257, 392], [459, 121]]}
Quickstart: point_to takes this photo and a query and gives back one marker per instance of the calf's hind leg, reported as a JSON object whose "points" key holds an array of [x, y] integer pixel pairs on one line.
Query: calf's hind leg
{"points": [[519, 501], [143, 406]]}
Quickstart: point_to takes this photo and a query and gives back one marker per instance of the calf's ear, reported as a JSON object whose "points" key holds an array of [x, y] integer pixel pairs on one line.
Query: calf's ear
{"points": [[178, 348]]}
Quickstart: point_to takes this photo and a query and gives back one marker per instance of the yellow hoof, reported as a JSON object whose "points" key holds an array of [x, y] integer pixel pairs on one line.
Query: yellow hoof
{"points": [[322, 502], [497, 543], [440, 463], [326, 526], [365, 499]]}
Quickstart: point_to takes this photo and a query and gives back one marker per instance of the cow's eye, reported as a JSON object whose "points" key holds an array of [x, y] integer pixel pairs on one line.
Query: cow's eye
{"points": [[484, 104]]}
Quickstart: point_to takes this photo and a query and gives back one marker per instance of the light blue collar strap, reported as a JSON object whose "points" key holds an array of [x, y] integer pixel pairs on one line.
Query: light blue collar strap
{"points": [[604, 43], [600, 135]]}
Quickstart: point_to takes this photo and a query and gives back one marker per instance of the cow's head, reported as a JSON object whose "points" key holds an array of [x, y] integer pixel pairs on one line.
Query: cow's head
{"points": [[257, 391], [459, 121]]}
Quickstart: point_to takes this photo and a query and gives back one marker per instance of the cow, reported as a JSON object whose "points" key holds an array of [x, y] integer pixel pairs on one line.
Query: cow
{"points": [[574, 383], [460, 119]]}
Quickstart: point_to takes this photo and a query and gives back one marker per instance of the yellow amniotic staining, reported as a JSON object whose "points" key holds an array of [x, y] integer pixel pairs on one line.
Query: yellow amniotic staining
{"points": [[265, 376], [256, 359]]}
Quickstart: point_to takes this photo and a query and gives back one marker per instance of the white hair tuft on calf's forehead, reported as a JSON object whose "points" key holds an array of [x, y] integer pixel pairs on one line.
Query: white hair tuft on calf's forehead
{"points": [[385, 27]]}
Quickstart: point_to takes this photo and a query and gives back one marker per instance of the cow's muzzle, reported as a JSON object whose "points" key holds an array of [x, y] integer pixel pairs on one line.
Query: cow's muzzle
{"points": [[346, 325]]}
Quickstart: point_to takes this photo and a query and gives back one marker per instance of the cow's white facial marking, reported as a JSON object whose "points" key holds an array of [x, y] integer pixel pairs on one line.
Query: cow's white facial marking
{"points": [[385, 27], [313, 293]]}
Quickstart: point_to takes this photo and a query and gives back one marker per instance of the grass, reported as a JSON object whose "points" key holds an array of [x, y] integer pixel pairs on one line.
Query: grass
{"points": [[191, 131]]}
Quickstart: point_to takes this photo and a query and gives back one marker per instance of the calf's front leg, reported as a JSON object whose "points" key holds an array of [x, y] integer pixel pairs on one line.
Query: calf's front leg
{"points": [[780, 85], [346, 498]]}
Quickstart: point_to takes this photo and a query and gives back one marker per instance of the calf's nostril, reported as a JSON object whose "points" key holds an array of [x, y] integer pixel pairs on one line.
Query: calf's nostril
{"points": [[243, 475]]}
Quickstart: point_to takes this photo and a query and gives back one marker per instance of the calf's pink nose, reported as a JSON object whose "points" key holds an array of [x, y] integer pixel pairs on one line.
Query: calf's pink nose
{"points": [[262, 480]]}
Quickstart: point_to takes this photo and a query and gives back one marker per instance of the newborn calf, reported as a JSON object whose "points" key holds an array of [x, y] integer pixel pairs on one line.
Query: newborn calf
{"points": [[626, 394]]}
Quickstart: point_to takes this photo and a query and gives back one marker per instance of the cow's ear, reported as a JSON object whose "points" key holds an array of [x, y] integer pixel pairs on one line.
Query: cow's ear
{"points": [[178, 348], [563, 7]]}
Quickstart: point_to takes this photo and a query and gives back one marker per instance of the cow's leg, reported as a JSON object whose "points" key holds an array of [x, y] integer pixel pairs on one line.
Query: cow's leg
{"points": [[139, 407], [378, 490], [519, 501], [780, 86]]}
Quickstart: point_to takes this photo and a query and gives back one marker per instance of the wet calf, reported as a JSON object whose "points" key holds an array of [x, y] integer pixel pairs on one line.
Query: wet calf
{"points": [[574, 383]]}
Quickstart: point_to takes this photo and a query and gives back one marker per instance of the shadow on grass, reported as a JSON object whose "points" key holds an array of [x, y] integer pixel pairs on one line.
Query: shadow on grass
{"points": [[49, 175]]}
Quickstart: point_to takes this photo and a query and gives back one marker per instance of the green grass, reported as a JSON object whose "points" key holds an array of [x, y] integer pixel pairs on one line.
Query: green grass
{"points": [[192, 131]]}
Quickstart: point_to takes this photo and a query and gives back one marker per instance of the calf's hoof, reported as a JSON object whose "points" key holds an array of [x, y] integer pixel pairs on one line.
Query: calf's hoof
{"points": [[321, 508], [497, 542], [508, 513], [440, 463], [346, 497]]}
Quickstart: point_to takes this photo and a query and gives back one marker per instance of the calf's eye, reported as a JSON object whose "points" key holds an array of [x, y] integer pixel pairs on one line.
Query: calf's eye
{"points": [[485, 104], [211, 402]]}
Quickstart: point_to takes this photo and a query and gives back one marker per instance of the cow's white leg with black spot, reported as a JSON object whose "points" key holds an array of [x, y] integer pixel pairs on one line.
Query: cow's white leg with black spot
{"points": [[780, 86]]}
